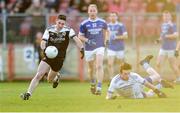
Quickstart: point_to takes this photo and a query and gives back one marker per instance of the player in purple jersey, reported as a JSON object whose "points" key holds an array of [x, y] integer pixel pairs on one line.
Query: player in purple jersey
{"points": [[93, 31], [116, 44], [168, 43]]}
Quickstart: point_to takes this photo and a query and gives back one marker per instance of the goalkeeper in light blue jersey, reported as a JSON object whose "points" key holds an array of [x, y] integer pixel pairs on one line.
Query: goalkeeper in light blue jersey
{"points": [[130, 85]]}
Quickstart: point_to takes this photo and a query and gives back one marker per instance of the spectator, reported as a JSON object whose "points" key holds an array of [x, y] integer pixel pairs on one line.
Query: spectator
{"points": [[83, 5], [2, 6], [64, 7], [38, 21], [37, 47], [102, 5], [160, 6], [25, 29], [151, 6], [114, 6], [52, 4], [169, 6]]}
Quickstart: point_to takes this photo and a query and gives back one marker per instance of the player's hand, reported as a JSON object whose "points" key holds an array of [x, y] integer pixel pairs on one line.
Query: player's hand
{"points": [[157, 41], [44, 52], [91, 42], [160, 93], [107, 43], [82, 53], [176, 54], [111, 98]]}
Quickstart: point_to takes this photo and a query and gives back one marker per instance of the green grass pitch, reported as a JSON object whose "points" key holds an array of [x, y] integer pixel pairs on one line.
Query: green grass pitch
{"points": [[75, 97]]}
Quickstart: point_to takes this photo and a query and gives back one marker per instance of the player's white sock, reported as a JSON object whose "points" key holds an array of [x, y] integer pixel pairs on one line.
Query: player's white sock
{"points": [[55, 78], [153, 74], [99, 85], [33, 85], [146, 66]]}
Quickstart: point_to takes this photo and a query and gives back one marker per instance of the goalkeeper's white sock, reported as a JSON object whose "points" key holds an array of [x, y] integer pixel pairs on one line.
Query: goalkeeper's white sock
{"points": [[155, 77], [33, 85]]}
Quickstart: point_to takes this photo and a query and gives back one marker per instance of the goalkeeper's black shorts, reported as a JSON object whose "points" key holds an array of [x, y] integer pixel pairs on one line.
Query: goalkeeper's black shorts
{"points": [[55, 64]]}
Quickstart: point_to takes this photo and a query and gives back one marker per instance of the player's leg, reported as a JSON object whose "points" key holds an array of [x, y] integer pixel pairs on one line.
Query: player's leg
{"points": [[154, 76], [91, 76], [120, 55], [111, 66], [160, 59], [174, 66], [42, 69], [99, 69], [89, 56], [111, 57], [54, 75]]}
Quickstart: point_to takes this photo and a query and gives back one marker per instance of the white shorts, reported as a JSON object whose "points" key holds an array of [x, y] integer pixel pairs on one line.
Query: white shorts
{"points": [[117, 54], [90, 55], [168, 53]]}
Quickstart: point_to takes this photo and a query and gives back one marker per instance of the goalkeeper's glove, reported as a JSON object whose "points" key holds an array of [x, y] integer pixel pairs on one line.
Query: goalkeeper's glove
{"points": [[91, 42], [176, 54], [82, 53], [160, 93], [111, 98]]}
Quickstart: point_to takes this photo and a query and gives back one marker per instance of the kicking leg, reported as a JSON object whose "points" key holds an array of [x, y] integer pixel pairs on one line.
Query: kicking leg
{"points": [[154, 77], [42, 69]]}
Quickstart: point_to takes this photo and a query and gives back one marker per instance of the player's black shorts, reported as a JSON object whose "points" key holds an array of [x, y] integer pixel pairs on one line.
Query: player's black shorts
{"points": [[55, 64]]}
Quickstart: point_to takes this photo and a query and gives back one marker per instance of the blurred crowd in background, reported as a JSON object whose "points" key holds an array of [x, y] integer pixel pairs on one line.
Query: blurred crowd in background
{"points": [[66, 6], [29, 26]]}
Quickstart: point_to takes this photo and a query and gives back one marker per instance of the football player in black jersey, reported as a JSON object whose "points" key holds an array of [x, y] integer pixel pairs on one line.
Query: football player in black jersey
{"points": [[57, 35]]}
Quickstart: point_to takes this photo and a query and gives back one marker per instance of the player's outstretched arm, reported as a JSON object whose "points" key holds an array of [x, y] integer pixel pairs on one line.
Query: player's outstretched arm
{"points": [[172, 36], [80, 45], [110, 96], [125, 36], [159, 93], [87, 41], [43, 44]]}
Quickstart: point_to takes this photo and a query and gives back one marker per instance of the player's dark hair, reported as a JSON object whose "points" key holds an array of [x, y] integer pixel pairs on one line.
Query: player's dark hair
{"points": [[125, 66], [62, 17]]}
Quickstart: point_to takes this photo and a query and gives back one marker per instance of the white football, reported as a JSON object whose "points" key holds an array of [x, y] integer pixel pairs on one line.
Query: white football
{"points": [[51, 52]]}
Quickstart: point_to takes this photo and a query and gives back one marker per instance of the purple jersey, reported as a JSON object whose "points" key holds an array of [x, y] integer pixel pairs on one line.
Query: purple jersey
{"points": [[168, 28], [93, 30], [116, 29]]}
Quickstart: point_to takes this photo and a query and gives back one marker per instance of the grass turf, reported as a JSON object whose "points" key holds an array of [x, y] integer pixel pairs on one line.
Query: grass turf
{"points": [[75, 96]]}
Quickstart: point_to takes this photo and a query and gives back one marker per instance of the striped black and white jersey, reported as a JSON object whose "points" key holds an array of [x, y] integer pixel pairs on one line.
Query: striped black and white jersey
{"points": [[59, 38]]}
